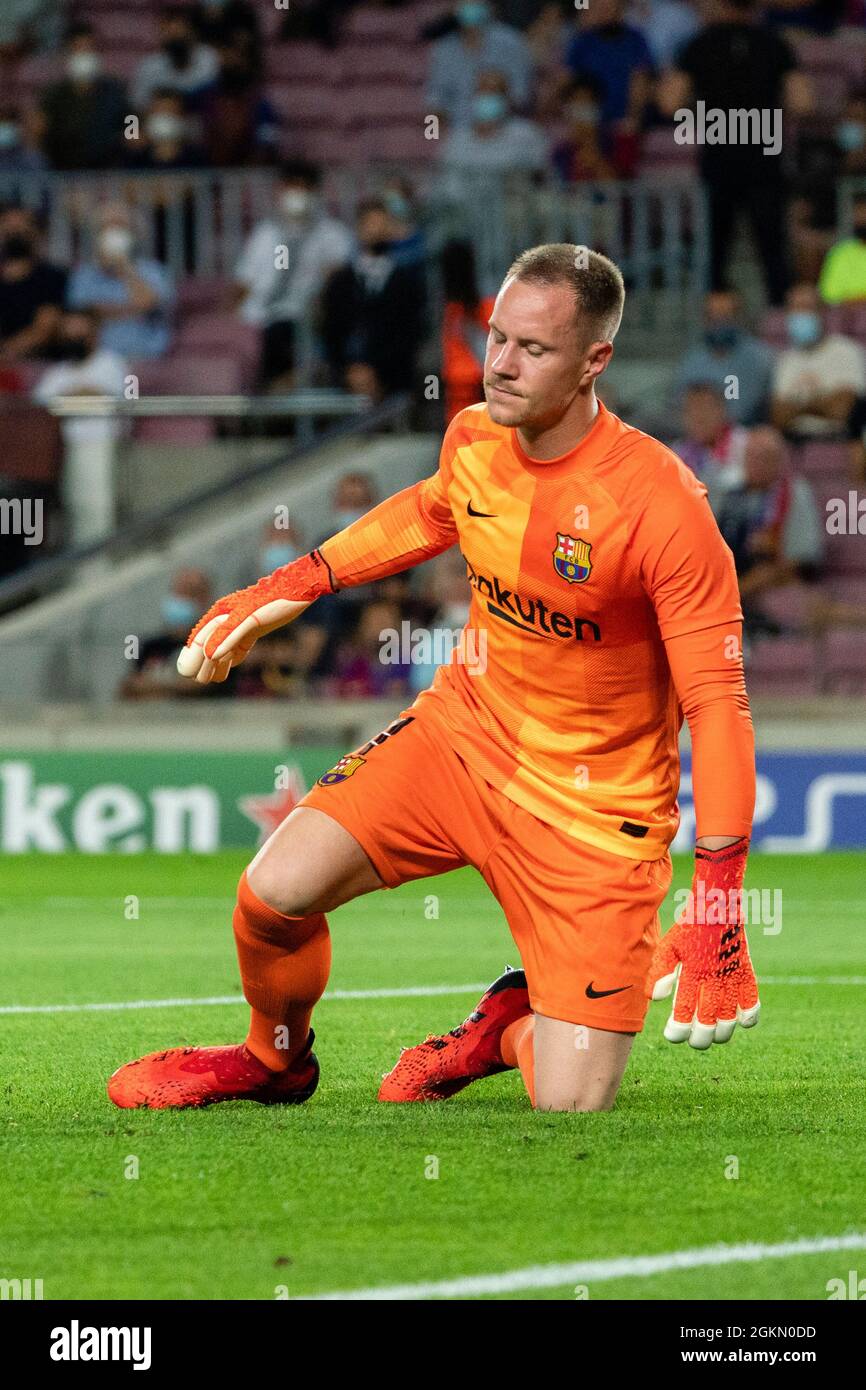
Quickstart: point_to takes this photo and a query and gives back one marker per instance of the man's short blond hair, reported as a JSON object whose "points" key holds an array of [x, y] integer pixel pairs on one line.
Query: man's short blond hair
{"points": [[597, 284]]}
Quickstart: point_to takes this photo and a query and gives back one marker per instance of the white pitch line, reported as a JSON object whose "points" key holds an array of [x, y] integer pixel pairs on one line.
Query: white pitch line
{"points": [[402, 992], [408, 992], [592, 1271]]}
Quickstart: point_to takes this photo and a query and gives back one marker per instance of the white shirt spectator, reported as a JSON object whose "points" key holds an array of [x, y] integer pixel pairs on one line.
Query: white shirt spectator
{"points": [[515, 144], [103, 373], [278, 295], [88, 481], [157, 70], [836, 364]]}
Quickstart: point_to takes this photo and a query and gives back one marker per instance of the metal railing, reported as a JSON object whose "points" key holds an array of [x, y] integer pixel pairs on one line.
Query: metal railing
{"points": [[354, 418], [196, 222]]}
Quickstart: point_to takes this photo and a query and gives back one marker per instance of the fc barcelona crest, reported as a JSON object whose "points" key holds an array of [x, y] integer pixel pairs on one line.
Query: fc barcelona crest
{"points": [[342, 770], [571, 559]]}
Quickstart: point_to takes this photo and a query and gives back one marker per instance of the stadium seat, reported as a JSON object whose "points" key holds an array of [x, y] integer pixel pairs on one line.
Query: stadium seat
{"points": [[308, 62], [303, 104], [844, 661], [131, 29], [390, 63], [783, 665], [404, 140], [823, 460], [375, 105], [30, 443], [790, 606], [200, 293]]}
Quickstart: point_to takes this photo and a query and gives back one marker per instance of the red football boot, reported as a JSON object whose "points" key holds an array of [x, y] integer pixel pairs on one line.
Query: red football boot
{"points": [[196, 1076], [439, 1067]]}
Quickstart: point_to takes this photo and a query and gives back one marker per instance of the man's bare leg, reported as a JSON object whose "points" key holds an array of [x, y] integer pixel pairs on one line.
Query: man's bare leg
{"points": [[309, 865], [577, 1068]]}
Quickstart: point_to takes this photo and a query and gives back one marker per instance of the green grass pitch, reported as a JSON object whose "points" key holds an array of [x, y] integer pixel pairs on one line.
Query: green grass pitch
{"points": [[246, 1202]]}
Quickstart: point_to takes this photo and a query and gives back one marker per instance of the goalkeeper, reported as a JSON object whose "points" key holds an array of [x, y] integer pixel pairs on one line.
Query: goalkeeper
{"points": [[604, 611]]}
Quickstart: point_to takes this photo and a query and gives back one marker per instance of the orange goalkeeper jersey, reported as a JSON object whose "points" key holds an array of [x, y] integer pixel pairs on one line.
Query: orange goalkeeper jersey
{"points": [[580, 568]]}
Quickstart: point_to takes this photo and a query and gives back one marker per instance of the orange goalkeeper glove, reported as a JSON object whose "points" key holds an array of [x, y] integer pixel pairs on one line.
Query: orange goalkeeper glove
{"points": [[706, 953], [230, 627]]}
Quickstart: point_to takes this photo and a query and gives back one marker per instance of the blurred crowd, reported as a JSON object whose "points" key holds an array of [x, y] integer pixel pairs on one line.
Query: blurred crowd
{"points": [[360, 643], [542, 88]]}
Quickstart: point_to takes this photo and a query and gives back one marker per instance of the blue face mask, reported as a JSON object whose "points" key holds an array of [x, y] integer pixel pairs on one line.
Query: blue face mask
{"points": [[345, 516], [489, 106], [396, 204], [472, 13], [276, 555], [850, 135], [179, 612], [804, 327]]}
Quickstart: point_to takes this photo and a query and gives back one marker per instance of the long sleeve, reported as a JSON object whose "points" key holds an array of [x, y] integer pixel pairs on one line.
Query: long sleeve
{"points": [[406, 529], [707, 669], [689, 574]]}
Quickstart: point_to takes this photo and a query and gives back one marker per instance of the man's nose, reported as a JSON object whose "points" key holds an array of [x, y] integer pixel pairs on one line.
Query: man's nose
{"points": [[505, 361]]}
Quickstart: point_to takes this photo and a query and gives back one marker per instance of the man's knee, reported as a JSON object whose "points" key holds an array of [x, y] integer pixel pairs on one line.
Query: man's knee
{"points": [[577, 1099], [280, 887]]}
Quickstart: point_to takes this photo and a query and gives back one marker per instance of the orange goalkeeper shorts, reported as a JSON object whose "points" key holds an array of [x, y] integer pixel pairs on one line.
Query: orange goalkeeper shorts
{"points": [[585, 921]]}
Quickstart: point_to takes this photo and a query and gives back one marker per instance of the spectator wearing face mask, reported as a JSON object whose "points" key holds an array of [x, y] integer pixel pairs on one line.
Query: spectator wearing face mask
{"points": [[408, 246], [31, 289], [373, 312], [730, 357], [772, 525], [85, 369], [819, 376], [479, 44], [83, 113], [155, 676], [133, 294], [354, 496], [165, 142], [284, 265], [710, 443], [17, 154], [239, 123], [360, 670], [449, 591], [288, 660], [843, 274], [850, 135], [495, 141], [182, 64]]}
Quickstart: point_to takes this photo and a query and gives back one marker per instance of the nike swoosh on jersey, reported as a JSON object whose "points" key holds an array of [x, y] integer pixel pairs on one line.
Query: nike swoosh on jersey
{"points": [[602, 993]]}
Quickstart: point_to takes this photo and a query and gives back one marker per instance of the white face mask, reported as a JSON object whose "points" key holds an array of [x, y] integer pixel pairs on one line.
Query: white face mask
{"points": [[162, 126], [115, 242], [83, 67], [295, 202]]}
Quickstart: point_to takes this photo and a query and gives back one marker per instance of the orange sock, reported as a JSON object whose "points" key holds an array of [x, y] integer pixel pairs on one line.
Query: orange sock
{"points": [[517, 1050], [285, 963]]}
